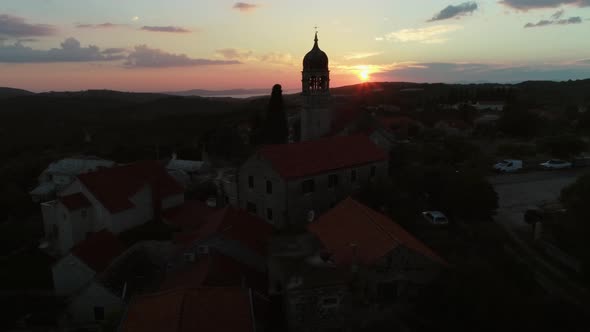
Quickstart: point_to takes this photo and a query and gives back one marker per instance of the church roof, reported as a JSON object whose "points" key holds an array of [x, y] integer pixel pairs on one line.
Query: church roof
{"points": [[308, 158], [315, 59]]}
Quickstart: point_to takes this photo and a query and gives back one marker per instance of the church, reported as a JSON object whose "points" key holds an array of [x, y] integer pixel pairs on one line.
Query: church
{"points": [[316, 116]]}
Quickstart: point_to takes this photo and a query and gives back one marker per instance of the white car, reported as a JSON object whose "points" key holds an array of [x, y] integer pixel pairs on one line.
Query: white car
{"points": [[508, 165], [435, 217], [556, 164]]}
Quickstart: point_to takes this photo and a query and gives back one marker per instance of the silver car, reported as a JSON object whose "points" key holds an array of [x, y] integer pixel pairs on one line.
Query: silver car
{"points": [[556, 164], [435, 217]]}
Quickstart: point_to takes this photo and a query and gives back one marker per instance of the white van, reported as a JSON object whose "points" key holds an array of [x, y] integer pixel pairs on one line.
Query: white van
{"points": [[508, 165]]}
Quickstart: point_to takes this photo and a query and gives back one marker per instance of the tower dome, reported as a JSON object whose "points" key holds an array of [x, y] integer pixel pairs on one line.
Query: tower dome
{"points": [[315, 59]]}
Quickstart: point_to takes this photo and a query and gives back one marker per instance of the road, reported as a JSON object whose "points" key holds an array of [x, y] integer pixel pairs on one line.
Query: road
{"points": [[516, 193]]}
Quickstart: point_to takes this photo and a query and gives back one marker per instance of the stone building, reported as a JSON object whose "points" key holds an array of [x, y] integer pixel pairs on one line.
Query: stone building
{"points": [[290, 184]]}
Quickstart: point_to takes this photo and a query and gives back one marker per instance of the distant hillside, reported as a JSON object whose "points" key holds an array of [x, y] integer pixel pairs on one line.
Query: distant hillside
{"points": [[10, 92], [137, 97], [211, 93]]}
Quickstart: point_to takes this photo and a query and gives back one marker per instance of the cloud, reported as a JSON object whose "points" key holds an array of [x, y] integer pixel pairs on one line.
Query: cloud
{"points": [[14, 26], [477, 72], [429, 35], [455, 11], [525, 5], [245, 7], [277, 58], [555, 21], [165, 29], [232, 53], [250, 56], [357, 56], [107, 25], [70, 51], [144, 57]]}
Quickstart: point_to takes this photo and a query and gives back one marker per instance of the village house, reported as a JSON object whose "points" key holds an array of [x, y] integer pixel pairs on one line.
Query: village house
{"points": [[62, 173], [100, 274], [116, 199], [187, 172], [289, 184], [363, 264], [230, 232], [486, 105]]}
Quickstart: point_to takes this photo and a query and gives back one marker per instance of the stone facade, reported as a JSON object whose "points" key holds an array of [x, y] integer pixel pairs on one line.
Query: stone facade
{"points": [[291, 203]]}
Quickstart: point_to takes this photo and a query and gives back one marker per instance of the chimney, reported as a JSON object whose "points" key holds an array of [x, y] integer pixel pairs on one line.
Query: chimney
{"points": [[156, 188]]}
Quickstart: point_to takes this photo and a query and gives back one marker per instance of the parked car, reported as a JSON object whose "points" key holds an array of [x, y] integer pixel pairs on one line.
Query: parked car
{"points": [[508, 165], [556, 164], [435, 217]]}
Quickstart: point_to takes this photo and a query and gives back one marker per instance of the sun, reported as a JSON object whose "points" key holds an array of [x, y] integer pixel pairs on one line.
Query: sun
{"points": [[364, 75]]}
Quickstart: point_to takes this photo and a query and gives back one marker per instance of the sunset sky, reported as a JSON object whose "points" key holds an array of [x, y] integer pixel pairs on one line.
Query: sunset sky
{"points": [[156, 45]]}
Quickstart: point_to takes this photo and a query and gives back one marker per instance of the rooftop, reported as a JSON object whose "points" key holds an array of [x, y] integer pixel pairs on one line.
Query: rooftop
{"points": [[99, 250], [75, 201], [204, 309], [114, 187], [327, 154], [351, 229], [234, 224], [192, 214]]}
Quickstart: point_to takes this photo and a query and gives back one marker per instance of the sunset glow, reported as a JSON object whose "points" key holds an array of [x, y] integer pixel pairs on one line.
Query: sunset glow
{"points": [[216, 44]]}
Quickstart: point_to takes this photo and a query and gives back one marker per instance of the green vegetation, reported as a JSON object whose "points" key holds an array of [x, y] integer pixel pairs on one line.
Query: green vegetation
{"points": [[574, 230]]}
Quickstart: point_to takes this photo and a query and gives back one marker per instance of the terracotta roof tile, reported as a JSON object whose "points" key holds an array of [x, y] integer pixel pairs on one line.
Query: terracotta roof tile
{"points": [[114, 186], [190, 215], [75, 201], [99, 250], [323, 155], [216, 269], [205, 309], [374, 234], [234, 224]]}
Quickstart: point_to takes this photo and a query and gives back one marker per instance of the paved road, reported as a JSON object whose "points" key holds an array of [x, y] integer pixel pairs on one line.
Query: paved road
{"points": [[517, 192]]}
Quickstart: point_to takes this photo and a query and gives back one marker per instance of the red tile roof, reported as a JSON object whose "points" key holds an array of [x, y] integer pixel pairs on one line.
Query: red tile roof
{"points": [[210, 309], [234, 224], [190, 215], [113, 187], [323, 155], [75, 201], [374, 234], [99, 250], [216, 269]]}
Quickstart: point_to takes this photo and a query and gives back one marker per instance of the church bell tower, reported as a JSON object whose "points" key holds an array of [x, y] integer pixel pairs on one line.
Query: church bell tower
{"points": [[316, 117]]}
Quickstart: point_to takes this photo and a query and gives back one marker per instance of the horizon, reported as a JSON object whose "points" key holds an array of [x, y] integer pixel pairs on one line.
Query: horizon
{"points": [[180, 45]]}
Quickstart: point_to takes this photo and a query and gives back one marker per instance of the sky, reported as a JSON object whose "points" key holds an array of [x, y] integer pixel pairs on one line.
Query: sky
{"points": [[174, 45]]}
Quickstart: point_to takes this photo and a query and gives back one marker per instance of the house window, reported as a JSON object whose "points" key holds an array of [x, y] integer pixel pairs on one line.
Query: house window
{"points": [[251, 207], [332, 180], [84, 213], [373, 171], [268, 187], [98, 313], [269, 214], [353, 176], [308, 186], [65, 216], [251, 182]]}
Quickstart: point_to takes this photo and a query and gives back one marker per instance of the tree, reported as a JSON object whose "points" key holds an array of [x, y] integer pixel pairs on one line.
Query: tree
{"points": [[564, 146], [275, 129], [518, 122], [575, 199]]}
